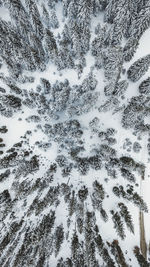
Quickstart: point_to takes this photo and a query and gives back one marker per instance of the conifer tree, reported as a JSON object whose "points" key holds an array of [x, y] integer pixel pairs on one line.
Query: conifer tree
{"points": [[59, 236], [127, 217], [130, 48], [141, 21], [118, 224], [144, 87], [35, 18], [50, 45], [138, 68]]}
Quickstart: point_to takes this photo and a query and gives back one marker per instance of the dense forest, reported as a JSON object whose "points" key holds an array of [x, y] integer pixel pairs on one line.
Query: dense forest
{"points": [[74, 133]]}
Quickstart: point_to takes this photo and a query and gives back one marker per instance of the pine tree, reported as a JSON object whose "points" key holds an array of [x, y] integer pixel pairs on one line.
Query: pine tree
{"points": [[59, 236], [138, 201], [118, 254], [89, 239], [50, 45], [127, 217], [64, 59], [79, 32], [141, 260], [138, 68], [84, 13], [99, 44], [63, 263], [130, 48], [45, 16], [144, 87], [122, 21], [103, 252], [118, 224], [20, 16], [46, 85], [127, 175], [110, 12], [35, 18], [99, 190], [141, 21], [72, 204], [112, 62], [76, 251], [104, 215], [120, 88], [36, 43]]}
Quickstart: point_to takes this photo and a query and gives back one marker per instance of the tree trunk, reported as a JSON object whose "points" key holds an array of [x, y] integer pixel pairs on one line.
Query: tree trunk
{"points": [[143, 245]]}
